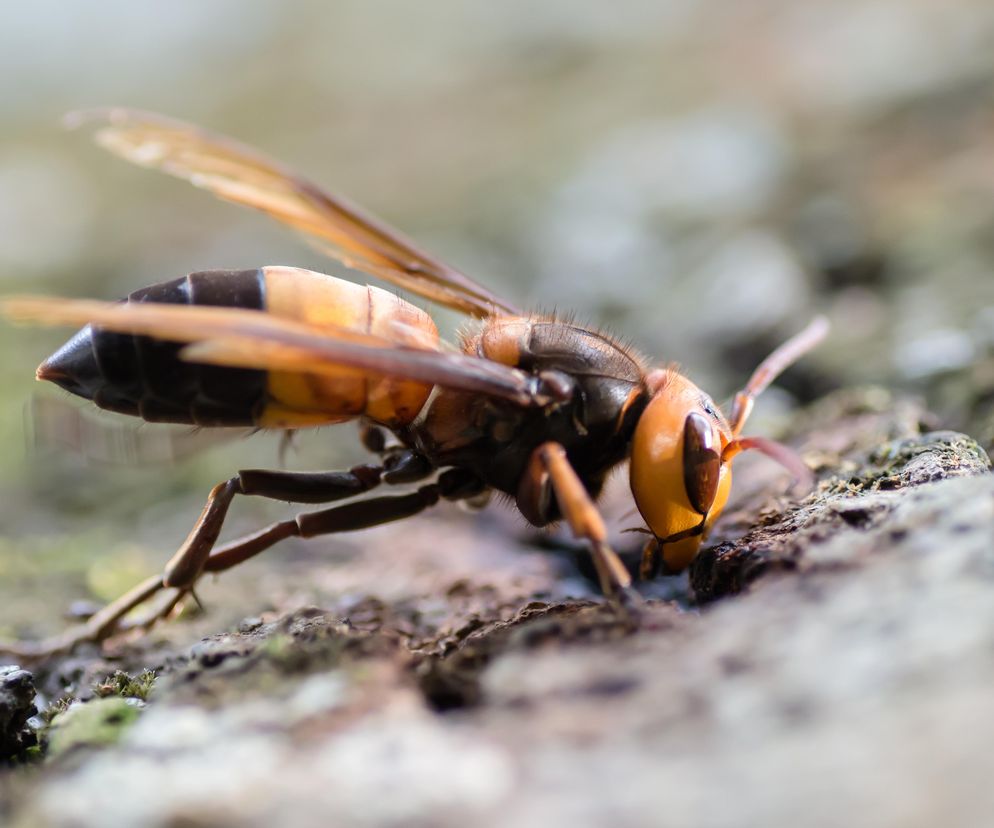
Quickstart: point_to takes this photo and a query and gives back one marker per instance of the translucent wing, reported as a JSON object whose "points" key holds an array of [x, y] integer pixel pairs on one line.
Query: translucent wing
{"points": [[241, 175], [253, 339], [57, 426]]}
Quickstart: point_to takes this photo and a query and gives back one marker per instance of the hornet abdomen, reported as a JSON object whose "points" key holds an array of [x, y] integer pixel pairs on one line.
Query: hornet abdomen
{"points": [[146, 377]]}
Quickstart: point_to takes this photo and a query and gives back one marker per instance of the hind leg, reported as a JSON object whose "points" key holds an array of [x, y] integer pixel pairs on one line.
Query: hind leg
{"points": [[198, 555]]}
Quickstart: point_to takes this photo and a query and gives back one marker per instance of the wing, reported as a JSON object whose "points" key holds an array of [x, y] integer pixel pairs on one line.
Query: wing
{"points": [[252, 339], [57, 426], [239, 174]]}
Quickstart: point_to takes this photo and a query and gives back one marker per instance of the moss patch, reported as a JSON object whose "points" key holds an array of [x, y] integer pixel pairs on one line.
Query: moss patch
{"points": [[97, 723], [126, 686]]}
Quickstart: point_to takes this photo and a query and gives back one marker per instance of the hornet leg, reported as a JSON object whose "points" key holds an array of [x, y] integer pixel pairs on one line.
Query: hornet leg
{"points": [[186, 565], [550, 473], [197, 555], [451, 485]]}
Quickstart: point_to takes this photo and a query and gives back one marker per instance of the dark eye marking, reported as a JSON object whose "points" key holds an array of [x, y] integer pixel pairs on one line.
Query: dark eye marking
{"points": [[701, 463]]}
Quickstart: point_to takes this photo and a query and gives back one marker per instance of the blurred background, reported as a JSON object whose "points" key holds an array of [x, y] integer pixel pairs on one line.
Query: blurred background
{"points": [[699, 176]]}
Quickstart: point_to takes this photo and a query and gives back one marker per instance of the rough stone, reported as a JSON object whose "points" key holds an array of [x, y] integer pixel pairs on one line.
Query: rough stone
{"points": [[836, 669], [17, 706]]}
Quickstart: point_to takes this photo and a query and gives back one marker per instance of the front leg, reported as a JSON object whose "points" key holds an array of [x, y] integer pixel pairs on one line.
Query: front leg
{"points": [[549, 474]]}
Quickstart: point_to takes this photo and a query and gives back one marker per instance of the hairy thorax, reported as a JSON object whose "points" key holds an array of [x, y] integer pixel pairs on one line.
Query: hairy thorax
{"points": [[495, 438]]}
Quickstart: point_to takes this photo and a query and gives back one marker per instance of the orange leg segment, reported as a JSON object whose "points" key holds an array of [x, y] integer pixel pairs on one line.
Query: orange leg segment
{"points": [[550, 467]]}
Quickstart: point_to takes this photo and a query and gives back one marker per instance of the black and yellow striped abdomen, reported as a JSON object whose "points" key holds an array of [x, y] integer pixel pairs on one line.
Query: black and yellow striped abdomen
{"points": [[145, 377]]}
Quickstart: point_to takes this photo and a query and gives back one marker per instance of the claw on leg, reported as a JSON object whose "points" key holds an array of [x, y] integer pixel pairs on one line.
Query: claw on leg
{"points": [[628, 604], [98, 628], [550, 475]]}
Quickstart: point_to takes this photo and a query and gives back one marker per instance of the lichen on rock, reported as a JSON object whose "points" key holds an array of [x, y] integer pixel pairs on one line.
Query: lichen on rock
{"points": [[478, 703]]}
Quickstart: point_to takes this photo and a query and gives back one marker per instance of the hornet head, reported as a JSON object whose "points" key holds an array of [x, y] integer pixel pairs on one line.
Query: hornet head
{"points": [[682, 451]]}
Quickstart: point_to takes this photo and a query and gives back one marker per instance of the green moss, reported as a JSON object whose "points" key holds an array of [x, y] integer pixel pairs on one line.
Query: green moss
{"points": [[887, 467], [96, 723], [56, 708], [126, 686], [68, 723], [289, 654], [278, 648]]}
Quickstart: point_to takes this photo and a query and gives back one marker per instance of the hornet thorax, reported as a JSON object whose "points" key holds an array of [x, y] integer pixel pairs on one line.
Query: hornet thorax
{"points": [[495, 439]]}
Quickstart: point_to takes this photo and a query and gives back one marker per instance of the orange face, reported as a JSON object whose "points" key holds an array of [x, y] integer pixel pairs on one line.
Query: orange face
{"points": [[676, 475]]}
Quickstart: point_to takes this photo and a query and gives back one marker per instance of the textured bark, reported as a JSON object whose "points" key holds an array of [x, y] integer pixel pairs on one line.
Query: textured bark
{"points": [[837, 671]]}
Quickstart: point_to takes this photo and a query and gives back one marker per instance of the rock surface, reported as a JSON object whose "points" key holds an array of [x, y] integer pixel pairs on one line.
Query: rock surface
{"points": [[842, 678], [17, 695]]}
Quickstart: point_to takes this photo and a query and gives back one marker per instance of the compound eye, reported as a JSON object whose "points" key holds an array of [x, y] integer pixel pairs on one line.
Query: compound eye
{"points": [[701, 463]]}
